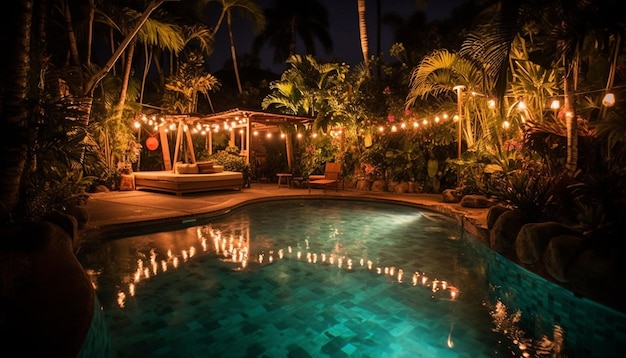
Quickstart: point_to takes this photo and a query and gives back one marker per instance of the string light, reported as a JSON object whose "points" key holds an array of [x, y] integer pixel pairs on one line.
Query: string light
{"points": [[608, 100]]}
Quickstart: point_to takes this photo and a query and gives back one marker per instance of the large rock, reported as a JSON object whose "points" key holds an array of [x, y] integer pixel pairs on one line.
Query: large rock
{"points": [[561, 252], [494, 213], [378, 185], [533, 238], [451, 196], [364, 185], [504, 232], [401, 188], [48, 299], [475, 201]]}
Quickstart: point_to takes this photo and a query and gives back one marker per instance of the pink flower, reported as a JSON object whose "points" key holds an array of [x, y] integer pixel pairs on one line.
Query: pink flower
{"points": [[391, 118], [368, 168]]}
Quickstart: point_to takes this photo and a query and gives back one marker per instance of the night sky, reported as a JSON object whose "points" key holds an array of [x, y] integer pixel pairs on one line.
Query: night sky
{"points": [[344, 31]]}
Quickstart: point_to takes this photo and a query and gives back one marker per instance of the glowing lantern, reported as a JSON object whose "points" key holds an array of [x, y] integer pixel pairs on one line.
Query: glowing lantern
{"points": [[152, 143]]}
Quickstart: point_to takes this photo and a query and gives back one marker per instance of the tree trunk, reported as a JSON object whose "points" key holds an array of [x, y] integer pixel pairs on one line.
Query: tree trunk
{"points": [[571, 124], [232, 51], [128, 65], [14, 115], [71, 35], [363, 34], [92, 14]]}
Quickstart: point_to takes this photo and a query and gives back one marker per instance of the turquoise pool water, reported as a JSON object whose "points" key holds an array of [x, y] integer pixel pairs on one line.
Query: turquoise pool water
{"points": [[335, 278]]}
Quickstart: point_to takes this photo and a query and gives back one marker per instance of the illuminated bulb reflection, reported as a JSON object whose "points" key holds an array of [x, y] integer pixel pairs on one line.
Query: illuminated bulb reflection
{"points": [[235, 249]]}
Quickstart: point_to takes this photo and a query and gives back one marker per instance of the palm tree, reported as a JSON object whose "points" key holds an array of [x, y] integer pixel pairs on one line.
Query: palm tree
{"points": [[246, 8], [289, 20], [187, 82], [154, 33], [363, 33], [310, 88], [436, 77]]}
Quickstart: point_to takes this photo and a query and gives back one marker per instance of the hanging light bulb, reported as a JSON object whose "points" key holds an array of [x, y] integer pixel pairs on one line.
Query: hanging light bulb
{"points": [[608, 100], [556, 104]]}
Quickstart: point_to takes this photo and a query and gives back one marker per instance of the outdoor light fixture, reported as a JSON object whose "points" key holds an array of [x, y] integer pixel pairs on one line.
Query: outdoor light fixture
{"points": [[608, 100], [459, 96], [556, 104]]}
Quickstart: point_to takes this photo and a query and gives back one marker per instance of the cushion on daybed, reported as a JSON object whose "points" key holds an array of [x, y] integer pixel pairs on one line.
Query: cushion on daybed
{"points": [[215, 169], [205, 167], [186, 168]]}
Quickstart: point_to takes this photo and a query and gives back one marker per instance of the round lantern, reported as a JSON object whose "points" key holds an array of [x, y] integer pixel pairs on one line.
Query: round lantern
{"points": [[152, 143]]}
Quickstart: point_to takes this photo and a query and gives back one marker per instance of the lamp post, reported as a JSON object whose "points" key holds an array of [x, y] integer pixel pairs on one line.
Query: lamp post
{"points": [[459, 95], [459, 102]]}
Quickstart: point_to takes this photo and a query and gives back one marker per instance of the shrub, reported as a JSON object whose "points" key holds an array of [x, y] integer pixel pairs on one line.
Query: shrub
{"points": [[233, 162]]}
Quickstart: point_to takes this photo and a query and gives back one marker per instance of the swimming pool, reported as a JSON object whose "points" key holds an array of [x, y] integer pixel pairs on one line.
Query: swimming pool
{"points": [[300, 278]]}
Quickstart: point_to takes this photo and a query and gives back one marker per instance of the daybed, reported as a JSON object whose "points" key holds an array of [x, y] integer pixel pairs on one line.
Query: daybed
{"points": [[185, 181]]}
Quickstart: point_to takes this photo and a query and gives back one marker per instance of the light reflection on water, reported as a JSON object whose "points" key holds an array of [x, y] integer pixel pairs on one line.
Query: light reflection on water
{"points": [[418, 260]]}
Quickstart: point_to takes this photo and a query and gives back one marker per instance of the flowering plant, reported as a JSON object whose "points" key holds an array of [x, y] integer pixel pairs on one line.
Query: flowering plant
{"points": [[369, 170]]}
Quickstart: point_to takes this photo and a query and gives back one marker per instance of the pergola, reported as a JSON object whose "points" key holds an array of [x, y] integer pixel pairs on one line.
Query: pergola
{"points": [[240, 123]]}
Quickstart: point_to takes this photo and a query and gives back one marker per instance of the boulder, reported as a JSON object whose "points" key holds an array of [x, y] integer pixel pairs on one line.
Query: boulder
{"points": [[561, 252], [47, 294], [533, 238], [378, 185], [475, 201], [401, 188], [494, 213], [451, 196], [504, 232], [364, 185]]}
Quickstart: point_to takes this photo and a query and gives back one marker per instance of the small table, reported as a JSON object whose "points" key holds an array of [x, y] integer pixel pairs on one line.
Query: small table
{"points": [[127, 182], [287, 181]]}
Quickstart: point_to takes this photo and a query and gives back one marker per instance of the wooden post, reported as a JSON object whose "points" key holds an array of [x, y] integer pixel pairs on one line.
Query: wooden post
{"points": [[165, 149], [190, 145], [289, 146], [179, 139]]}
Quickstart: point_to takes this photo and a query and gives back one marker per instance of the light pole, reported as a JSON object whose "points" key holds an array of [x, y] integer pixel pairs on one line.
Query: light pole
{"points": [[459, 101]]}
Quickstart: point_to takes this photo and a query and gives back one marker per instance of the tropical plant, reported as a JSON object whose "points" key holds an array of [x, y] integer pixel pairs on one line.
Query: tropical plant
{"points": [[184, 85], [310, 88], [248, 8], [531, 187], [437, 76]]}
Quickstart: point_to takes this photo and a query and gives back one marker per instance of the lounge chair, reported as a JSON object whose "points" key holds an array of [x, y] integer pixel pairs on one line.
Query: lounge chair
{"points": [[332, 176]]}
